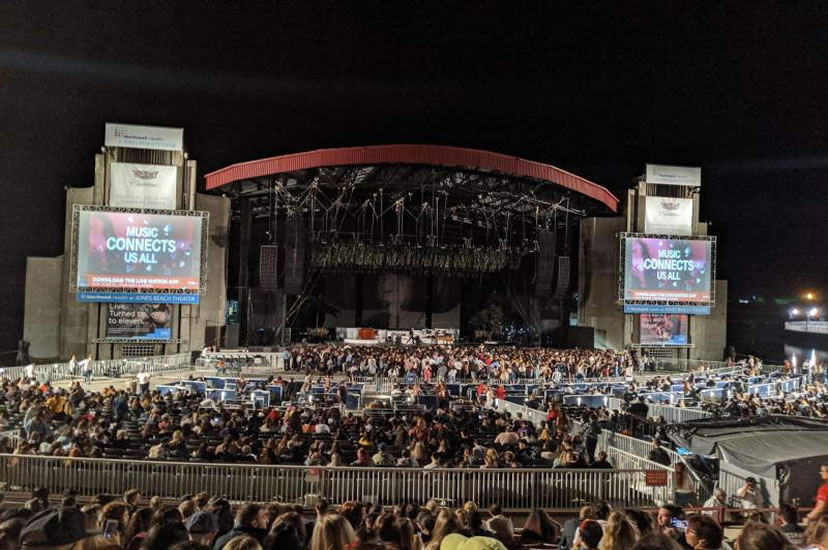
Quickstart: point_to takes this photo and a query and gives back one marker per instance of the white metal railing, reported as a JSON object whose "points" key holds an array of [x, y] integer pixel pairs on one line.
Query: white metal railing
{"points": [[514, 489], [55, 372], [815, 327]]}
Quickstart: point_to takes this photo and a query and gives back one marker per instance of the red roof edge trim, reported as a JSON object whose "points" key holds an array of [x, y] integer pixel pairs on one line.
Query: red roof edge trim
{"points": [[411, 154]]}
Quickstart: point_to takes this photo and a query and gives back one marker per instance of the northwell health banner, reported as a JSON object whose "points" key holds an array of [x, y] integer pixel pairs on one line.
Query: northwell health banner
{"points": [[150, 186]]}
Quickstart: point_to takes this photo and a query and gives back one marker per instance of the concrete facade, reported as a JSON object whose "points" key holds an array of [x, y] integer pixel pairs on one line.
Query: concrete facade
{"points": [[58, 326], [599, 307], [43, 306], [598, 281]]}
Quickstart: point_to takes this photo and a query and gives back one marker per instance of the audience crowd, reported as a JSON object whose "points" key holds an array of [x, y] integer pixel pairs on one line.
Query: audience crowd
{"points": [[202, 522]]}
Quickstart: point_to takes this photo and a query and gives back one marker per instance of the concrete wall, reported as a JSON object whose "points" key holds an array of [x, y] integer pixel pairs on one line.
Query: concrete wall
{"points": [[213, 305], [708, 333], [597, 281], [75, 318], [41, 326]]}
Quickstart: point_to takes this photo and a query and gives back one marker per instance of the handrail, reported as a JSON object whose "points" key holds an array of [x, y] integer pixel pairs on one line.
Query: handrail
{"points": [[514, 489]]}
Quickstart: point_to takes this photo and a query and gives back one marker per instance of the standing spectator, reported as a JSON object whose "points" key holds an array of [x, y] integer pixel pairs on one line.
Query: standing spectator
{"points": [[591, 432], [821, 504], [143, 379], [86, 368], [683, 485]]}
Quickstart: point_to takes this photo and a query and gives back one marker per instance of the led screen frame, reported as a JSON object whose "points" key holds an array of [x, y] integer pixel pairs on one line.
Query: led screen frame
{"points": [[74, 252], [622, 262]]}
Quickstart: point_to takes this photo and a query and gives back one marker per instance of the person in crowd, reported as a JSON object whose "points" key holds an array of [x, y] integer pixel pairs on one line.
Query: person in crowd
{"points": [[750, 494], [570, 526], [202, 528], [288, 532], [658, 454], [821, 500], [704, 533], [683, 485], [539, 528], [788, 520], [816, 535], [250, 520], [619, 533], [589, 535], [760, 536], [715, 504], [656, 541], [667, 520], [332, 532]]}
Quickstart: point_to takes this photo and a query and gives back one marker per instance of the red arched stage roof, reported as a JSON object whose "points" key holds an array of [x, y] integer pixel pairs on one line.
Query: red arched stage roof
{"points": [[412, 154]]}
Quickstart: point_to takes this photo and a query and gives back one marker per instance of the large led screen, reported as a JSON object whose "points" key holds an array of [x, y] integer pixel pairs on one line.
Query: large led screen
{"points": [[663, 330], [662, 269], [138, 251]]}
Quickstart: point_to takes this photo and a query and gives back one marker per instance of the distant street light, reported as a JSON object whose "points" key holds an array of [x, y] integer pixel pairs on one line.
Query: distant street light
{"points": [[809, 296], [794, 312]]}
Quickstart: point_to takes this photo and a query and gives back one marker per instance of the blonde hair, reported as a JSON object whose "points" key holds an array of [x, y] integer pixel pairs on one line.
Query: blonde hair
{"points": [[619, 533], [332, 532], [243, 542]]}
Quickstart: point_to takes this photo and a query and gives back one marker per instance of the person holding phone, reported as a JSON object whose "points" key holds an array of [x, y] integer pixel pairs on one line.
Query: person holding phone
{"points": [[670, 523]]}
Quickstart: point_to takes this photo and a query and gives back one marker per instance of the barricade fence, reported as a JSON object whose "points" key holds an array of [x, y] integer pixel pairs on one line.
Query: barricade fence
{"points": [[56, 372], [514, 489]]}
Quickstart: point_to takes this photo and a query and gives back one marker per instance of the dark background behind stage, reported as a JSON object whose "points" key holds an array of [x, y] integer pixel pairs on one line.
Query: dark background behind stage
{"points": [[737, 88]]}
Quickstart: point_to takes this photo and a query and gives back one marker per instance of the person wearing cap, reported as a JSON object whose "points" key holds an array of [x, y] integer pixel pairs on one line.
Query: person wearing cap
{"points": [[382, 457], [750, 494], [456, 541], [202, 527]]}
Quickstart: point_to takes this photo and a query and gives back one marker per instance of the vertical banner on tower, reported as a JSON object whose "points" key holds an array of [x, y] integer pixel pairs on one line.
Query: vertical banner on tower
{"points": [[142, 186], [668, 216]]}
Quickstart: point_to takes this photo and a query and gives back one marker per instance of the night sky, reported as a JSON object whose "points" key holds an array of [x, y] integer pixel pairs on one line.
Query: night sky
{"points": [[596, 88]]}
